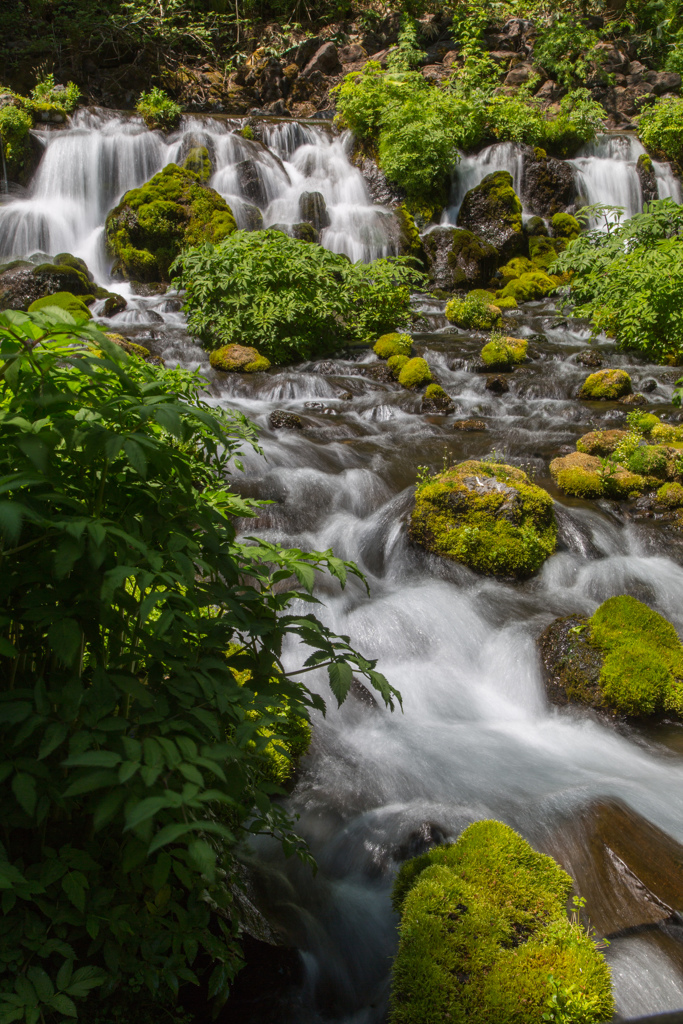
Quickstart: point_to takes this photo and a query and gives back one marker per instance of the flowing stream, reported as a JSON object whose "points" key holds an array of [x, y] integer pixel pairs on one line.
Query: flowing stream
{"points": [[477, 737]]}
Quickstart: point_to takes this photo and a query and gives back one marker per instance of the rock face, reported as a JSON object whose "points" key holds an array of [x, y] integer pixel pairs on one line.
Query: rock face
{"points": [[492, 211], [625, 660], [487, 515], [458, 259], [238, 359], [548, 185], [22, 283], [151, 224], [313, 210], [647, 178]]}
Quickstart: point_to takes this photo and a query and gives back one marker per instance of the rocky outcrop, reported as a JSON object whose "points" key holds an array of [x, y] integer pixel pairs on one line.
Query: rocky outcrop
{"points": [[548, 185], [647, 178], [492, 211], [313, 209], [22, 283], [457, 258]]}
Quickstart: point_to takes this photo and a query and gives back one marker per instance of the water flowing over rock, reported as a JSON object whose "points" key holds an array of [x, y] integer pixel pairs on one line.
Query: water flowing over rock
{"points": [[492, 211]]}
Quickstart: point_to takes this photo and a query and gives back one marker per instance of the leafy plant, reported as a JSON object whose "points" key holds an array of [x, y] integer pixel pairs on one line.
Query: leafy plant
{"points": [[566, 50], [660, 128], [15, 124], [408, 53], [158, 110], [142, 682], [290, 299], [47, 92]]}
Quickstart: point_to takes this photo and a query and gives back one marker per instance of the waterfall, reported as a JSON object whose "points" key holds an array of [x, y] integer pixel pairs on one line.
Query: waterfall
{"points": [[472, 167]]}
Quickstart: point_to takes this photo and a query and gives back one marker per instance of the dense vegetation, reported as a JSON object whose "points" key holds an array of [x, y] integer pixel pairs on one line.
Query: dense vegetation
{"points": [[146, 712]]}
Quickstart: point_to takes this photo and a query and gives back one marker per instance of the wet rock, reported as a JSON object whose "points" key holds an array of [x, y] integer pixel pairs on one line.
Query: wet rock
{"points": [[359, 692], [146, 289], [22, 283], [493, 212], [379, 372], [250, 183], [304, 232], [436, 400], [457, 258], [600, 442], [380, 190], [648, 385], [470, 425], [281, 420], [548, 185], [647, 178], [114, 304], [606, 386], [133, 349], [313, 209], [497, 384], [634, 399], [589, 358], [252, 217], [571, 664]]}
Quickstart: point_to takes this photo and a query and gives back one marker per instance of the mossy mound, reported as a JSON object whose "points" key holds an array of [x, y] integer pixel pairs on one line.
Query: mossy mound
{"points": [[515, 268], [394, 344], [487, 515], [626, 659], [670, 495], [151, 224], [485, 939], [199, 162], [474, 312], [606, 385], [396, 364], [666, 432], [543, 251], [529, 286], [73, 304], [504, 353], [504, 302], [414, 373], [584, 476], [600, 442], [654, 462], [238, 359], [437, 400], [493, 211], [563, 225]]}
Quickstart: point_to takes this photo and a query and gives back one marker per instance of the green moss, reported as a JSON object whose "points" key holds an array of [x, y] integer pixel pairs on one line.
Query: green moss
{"points": [[73, 304], [238, 359], [585, 476], [396, 364], [504, 352], [530, 286], [671, 495], [473, 312], [542, 251], [606, 385], [410, 241], [435, 391], [652, 460], [484, 929], [495, 197], [645, 163], [246, 132], [130, 347], [643, 422], [151, 224], [600, 442], [199, 162], [487, 515], [515, 268], [393, 345], [504, 302], [565, 226], [414, 372], [667, 433]]}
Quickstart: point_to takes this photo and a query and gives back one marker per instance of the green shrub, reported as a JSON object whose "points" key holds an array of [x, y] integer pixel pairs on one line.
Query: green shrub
{"points": [[660, 128], [516, 119], [579, 119], [393, 344], [415, 372], [566, 50], [456, 520], [473, 312], [134, 760], [15, 125], [484, 937], [158, 110], [643, 422], [46, 92], [290, 299]]}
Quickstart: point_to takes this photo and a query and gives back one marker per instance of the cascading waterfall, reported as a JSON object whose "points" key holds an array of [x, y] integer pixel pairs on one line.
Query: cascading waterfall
{"points": [[477, 738], [472, 167]]}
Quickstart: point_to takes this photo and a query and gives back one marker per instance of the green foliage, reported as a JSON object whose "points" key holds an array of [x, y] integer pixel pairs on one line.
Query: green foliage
{"points": [[158, 110], [15, 124], [46, 91], [566, 50], [579, 119], [474, 312], [660, 128], [485, 939], [414, 373], [133, 759], [393, 344], [149, 227], [505, 526], [291, 299], [516, 119], [628, 278], [408, 54]]}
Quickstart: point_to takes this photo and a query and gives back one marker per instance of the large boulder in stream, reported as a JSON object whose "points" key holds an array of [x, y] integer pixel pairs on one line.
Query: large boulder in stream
{"points": [[487, 515], [151, 224], [458, 259], [492, 210], [548, 184], [625, 660]]}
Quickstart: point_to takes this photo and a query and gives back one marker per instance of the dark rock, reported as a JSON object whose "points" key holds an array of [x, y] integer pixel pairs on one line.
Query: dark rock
{"points": [[280, 420], [148, 288], [250, 183], [550, 92], [518, 75], [352, 54], [571, 665], [457, 258], [634, 399], [469, 425], [497, 383], [21, 283], [588, 358], [360, 692], [325, 60], [492, 211], [313, 208], [648, 385], [379, 372], [663, 81], [612, 58], [381, 192], [304, 232], [301, 54], [252, 217], [114, 304], [536, 227], [548, 185], [438, 404], [647, 178]]}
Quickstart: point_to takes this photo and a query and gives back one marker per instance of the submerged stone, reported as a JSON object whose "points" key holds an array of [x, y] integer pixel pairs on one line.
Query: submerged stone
{"points": [[281, 420], [469, 425]]}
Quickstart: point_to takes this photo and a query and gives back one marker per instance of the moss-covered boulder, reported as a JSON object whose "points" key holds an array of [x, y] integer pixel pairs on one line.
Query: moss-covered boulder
{"points": [[437, 400], [474, 312], [393, 344], [396, 364], [492, 211], [133, 349], [504, 353], [238, 359], [73, 304], [514, 268], [488, 515], [151, 224], [198, 161], [626, 659], [606, 386], [563, 225], [670, 495], [600, 442], [415, 373], [484, 937], [458, 258], [543, 251], [585, 476], [535, 284]]}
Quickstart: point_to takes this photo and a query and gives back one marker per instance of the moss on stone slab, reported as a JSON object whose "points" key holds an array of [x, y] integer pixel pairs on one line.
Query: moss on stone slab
{"points": [[394, 344], [530, 286], [483, 929], [503, 353], [488, 516], [606, 385], [238, 359], [73, 304], [414, 373], [151, 224], [600, 442], [473, 312], [670, 495]]}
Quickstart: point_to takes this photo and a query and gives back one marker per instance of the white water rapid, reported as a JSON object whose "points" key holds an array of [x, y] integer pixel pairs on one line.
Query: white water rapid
{"points": [[477, 737]]}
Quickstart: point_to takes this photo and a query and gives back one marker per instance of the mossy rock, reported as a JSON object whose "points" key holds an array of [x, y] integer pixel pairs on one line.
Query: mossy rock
{"points": [[133, 349], [436, 400], [493, 211], [600, 442], [583, 476], [487, 515], [666, 432], [535, 226], [504, 353], [409, 240], [22, 283], [199, 162], [414, 373], [655, 462], [542, 251], [473, 312], [238, 359], [529, 286], [514, 268], [394, 344], [396, 364], [505, 302], [626, 659], [149, 227], [563, 225], [606, 385], [484, 936], [73, 304], [670, 495]]}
